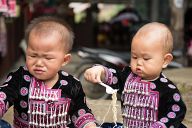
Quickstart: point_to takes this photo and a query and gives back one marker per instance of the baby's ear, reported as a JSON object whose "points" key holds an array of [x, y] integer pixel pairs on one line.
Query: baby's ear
{"points": [[167, 59], [67, 59]]}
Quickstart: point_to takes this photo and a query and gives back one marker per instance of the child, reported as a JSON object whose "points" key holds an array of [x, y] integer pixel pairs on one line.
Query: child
{"points": [[42, 94], [149, 99]]}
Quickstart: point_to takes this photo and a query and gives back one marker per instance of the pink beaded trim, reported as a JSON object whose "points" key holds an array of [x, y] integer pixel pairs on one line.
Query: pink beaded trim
{"points": [[83, 120]]}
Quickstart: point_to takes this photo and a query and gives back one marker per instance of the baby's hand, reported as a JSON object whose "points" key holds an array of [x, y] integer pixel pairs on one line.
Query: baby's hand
{"points": [[95, 74], [90, 125]]}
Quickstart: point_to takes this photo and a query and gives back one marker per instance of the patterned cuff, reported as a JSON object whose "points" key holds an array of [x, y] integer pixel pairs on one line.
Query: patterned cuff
{"points": [[84, 119], [158, 125], [108, 76]]}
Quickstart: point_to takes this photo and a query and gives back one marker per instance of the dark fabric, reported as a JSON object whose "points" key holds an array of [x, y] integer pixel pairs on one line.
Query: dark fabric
{"points": [[16, 92], [182, 126], [111, 125], [171, 108]]}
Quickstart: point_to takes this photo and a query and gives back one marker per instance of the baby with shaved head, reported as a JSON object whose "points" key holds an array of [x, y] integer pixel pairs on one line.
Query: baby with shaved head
{"points": [[44, 95], [149, 99], [151, 50]]}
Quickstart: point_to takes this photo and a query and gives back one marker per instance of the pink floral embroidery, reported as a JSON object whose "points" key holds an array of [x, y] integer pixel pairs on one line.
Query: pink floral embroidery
{"points": [[171, 115], [24, 116], [163, 80], [158, 125], [23, 104], [27, 78], [115, 80], [152, 86], [109, 76], [171, 86], [176, 97], [63, 82], [81, 112], [112, 70], [175, 108], [164, 120], [2, 96], [74, 118], [24, 91], [64, 73]]}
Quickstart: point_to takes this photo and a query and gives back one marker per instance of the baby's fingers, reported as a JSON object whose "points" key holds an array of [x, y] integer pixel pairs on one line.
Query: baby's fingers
{"points": [[98, 78], [92, 76], [89, 75]]}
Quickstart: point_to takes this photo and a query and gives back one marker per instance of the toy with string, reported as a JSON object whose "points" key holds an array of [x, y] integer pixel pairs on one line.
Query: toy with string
{"points": [[112, 91]]}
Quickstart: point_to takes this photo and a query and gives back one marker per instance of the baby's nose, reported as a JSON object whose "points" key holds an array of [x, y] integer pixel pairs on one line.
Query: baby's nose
{"points": [[139, 62], [39, 62]]}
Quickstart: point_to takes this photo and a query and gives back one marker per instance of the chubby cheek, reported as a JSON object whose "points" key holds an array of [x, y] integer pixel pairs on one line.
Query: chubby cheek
{"points": [[133, 67], [28, 62], [29, 65]]}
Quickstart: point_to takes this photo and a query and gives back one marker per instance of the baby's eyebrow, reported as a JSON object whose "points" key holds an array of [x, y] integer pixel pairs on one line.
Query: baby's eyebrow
{"points": [[32, 52], [48, 55], [146, 55]]}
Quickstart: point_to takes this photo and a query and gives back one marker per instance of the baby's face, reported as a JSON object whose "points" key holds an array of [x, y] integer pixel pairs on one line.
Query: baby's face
{"points": [[45, 56], [147, 57]]}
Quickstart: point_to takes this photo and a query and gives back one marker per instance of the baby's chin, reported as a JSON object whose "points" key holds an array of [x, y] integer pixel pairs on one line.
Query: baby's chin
{"points": [[149, 78], [139, 74], [143, 76], [39, 77]]}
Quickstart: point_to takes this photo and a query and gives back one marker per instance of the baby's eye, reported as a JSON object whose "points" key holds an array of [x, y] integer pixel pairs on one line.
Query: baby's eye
{"points": [[146, 58], [49, 58], [134, 57], [32, 56]]}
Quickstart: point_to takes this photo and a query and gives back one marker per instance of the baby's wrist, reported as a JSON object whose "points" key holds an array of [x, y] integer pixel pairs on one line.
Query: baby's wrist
{"points": [[104, 75]]}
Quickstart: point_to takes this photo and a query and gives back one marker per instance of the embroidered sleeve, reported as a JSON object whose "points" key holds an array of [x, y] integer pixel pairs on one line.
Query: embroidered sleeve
{"points": [[172, 111], [158, 124], [8, 91], [81, 114], [116, 78]]}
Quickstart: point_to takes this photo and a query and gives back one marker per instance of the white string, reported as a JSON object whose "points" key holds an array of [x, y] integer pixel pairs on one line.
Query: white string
{"points": [[114, 109], [106, 114]]}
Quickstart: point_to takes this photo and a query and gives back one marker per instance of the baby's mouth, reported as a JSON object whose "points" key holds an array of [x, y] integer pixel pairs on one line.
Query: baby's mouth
{"points": [[38, 71], [138, 71]]}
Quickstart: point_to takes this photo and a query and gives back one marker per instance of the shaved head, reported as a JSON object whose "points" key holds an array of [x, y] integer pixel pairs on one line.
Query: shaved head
{"points": [[45, 26], [159, 32]]}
